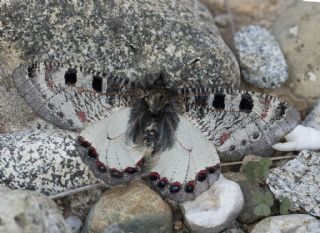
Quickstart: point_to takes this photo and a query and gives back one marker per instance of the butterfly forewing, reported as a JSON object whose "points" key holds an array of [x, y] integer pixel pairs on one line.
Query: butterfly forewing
{"points": [[70, 97], [240, 122]]}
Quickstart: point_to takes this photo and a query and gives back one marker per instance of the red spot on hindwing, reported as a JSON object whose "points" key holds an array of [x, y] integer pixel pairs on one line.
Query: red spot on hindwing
{"points": [[264, 114], [82, 116], [264, 101], [224, 137]]}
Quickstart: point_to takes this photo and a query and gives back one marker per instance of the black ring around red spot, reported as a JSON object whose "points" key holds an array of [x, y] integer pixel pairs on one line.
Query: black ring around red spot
{"points": [[116, 173], [92, 153], [175, 187], [202, 175], [162, 183], [154, 176], [189, 187]]}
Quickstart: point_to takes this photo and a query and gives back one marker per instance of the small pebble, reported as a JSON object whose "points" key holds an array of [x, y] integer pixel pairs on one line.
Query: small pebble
{"points": [[262, 62], [75, 223]]}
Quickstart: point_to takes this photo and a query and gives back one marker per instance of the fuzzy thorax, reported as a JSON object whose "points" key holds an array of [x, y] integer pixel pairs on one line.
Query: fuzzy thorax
{"points": [[154, 120]]}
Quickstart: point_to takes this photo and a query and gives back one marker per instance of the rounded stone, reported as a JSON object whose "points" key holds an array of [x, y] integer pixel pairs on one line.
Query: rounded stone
{"points": [[261, 60], [132, 208], [30, 212], [293, 223], [74, 223], [45, 161], [215, 209], [297, 32]]}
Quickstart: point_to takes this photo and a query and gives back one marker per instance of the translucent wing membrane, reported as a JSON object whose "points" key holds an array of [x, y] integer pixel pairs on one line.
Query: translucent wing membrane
{"points": [[188, 168], [104, 148], [70, 97], [239, 122]]}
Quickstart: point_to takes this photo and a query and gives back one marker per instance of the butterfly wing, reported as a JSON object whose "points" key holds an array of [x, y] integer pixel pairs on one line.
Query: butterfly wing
{"points": [[70, 97], [188, 168], [106, 151], [239, 122]]}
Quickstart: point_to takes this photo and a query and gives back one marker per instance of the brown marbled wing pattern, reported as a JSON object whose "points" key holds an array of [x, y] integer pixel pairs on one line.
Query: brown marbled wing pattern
{"points": [[239, 122]]}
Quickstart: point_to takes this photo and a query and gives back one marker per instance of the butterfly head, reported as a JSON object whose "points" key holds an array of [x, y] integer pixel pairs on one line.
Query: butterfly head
{"points": [[156, 100]]}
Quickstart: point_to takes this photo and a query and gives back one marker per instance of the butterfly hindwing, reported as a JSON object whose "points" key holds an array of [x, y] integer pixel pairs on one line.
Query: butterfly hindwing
{"points": [[188, 168], [239, 122], [105, 149], [69, 96]]}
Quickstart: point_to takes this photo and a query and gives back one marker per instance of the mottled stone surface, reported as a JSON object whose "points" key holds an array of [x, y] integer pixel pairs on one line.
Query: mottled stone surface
{"points": [[29, 212], [261, 60], [294, 223], [215, 209], [44, 161], [132, 208], [297, 31], [313, 118], [299, 180], [124, 38]]}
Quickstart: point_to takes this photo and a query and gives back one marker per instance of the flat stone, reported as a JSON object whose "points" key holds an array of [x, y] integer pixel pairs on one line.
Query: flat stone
{"points": [[299, 180], [296, 31], [261, 60], [132, 208], [215, 209], [293, 223], [29, 212], [45, 161]]}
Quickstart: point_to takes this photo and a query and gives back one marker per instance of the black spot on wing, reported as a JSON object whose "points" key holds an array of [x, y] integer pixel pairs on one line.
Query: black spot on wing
{"points": [[31, 70], [97, 83], [201, 100], [70, 77], [218, 100], [281, 110], [246, 103]]}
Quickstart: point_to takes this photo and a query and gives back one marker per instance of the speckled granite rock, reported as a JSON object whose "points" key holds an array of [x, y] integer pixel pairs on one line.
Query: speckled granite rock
{"points": [[313, 118], [293, 223], [29, 212], [299, 180], [132, 208], [125, 38], [297, 32], [52, 167], [215, 209], [261, 60]]}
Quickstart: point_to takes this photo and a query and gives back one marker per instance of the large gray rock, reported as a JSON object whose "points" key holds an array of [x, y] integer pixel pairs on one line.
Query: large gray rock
{"points": [[134, 208], [29, 212], [44, 161], [297, 30], [130, 39], [294, 223], [261, 60], [299, 180]]}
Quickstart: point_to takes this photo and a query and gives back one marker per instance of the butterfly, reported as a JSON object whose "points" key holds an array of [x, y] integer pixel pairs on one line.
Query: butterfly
{"points": [[170, 135]]}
